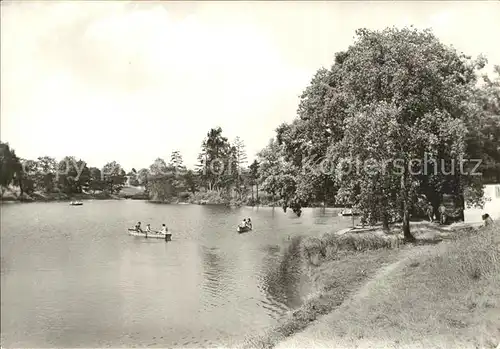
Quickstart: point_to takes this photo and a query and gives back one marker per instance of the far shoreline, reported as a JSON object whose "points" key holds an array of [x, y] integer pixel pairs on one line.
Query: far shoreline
{"points": [[60, 197]]}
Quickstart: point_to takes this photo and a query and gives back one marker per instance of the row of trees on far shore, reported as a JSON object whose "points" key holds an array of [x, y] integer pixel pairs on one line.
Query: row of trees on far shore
{"points": [[47, 175], [393, 95], [221, 170]]}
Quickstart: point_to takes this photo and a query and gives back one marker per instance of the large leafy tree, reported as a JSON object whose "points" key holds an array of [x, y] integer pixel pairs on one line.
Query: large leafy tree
{"points": [[72, 175], [485, 143], [96, 182], [307, 156], [158, 167], [421, 90], [279, 177], [9, 165], [422, 93], [253, 177], [142, 176], [27, 179], [240, 157], [191, 181], [46, 173], [214, 159], [177, 162], [177, 169], [159, 181], [270, 166], [230, 177], [114, 177], [132, 178], [386, 184]]}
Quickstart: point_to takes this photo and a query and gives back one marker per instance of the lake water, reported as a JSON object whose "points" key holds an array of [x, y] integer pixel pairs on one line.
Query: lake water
{"points": [[71, 276]]}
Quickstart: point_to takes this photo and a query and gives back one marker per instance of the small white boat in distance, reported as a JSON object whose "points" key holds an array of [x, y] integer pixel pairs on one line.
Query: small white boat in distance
{"points": [[348, 212], [76, 203]]}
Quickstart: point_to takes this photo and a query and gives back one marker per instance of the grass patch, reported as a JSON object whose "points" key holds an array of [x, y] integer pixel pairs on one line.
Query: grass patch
{"points": [[137, 193], [333, 282], [210, 197], [331, 246], [444, 296]]}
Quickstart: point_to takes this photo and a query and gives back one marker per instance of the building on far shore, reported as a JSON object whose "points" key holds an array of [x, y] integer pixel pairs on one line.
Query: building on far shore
{"points": [[491, 206]]}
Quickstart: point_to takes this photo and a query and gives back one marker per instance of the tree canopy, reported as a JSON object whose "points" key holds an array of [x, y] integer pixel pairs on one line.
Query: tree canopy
{"points": [[400, 99]]}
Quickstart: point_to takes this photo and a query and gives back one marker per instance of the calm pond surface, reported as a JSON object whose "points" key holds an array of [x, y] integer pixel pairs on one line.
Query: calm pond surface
{"points": [[71, 276]]}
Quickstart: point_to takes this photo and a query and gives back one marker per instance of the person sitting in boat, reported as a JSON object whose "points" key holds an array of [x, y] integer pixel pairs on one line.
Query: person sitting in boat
{"points": [[164, 229], [148, 228], [243, 223], [138, 227], [249, 223]]}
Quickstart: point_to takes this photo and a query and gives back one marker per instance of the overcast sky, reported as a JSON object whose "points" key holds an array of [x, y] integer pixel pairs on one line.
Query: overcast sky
{"points": [[131, 82]]}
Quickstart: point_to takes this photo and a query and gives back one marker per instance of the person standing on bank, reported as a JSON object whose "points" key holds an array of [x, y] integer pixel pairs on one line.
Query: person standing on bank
{"points": [[442, 214], [430, 213]]}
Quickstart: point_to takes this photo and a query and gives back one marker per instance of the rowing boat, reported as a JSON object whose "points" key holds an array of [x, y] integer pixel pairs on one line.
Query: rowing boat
{"points": [[243, 229], [152, 234]]}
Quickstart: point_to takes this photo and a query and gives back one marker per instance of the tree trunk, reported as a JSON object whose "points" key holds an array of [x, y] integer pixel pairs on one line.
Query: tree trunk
{"points": [[325, 190], [325, 194], [406, 211], [253, 202], [435, 209], [406, 225], [21, 189], [239, 185], [462, 207], [385, 221], [257, 192]]}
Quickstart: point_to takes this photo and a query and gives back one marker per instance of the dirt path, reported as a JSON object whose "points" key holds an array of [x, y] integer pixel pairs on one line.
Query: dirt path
{"points": [[365, 290], [318, 335]]}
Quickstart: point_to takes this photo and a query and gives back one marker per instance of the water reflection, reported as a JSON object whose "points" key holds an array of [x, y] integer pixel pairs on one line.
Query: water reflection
{"points": [[216, 280], [74, 277], [282, 282]]}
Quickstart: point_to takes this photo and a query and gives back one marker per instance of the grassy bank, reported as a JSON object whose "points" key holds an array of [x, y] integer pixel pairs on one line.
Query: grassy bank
{"points": [[444, 296], [135, 193], [342, 267], [209, 198], [10, 195], [332, 284]]}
